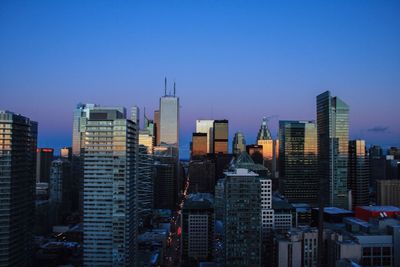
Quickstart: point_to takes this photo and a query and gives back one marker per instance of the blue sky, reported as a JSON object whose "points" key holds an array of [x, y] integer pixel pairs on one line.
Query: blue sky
{"points": [[239, 60]]}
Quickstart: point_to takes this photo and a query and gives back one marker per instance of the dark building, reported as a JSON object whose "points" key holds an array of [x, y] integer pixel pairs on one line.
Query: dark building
{"points": [[165, 178], [202, 176], [199, 145], [66, 153], [358, 173], [330, 215], [298, 164], [44, 158], [220, 136], [197, 229], [395, 152], [17, 182], [256, 153], [377, 163]]}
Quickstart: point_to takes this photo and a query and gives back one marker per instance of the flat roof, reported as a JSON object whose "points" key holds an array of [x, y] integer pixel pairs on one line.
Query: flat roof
{"points": [[381, 208]]}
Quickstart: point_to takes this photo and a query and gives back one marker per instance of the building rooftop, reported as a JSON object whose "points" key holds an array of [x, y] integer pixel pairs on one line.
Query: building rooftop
{"points": [[335, 210], [381, 208]]}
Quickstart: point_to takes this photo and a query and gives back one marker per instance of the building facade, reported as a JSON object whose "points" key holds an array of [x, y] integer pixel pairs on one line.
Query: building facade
{"points": [[358, 173], [220, 136], [206, 126], [238, 144]]}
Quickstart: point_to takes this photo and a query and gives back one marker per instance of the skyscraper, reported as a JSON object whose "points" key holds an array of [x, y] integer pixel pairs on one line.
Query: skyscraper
{"points": [[242, 218], [145, 182], [256, 153], [109, 197], [220, 136], [238, 143], [333, 143], [17, 182], [270, 148], [169, 119], [206, 126], [66, 153], [157, 127], [358, 173], [44, 157], [199, 144], [135, 115], [298, 165], [333, 138]]}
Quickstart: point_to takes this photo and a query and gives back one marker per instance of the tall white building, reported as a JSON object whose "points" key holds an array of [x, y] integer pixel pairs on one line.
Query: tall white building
{"points": [[267, 213], [109, 189], [169, 119]]}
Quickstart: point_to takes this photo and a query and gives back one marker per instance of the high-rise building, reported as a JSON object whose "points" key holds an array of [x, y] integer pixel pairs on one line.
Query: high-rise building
{"points": [[197, 229], [220, 136], [147, 140], [238, 144], [206, 126], [388, 192], [145, 182], [44, 157], [242, 218], [60, 186], [169, 119], [333, 144], [199, 145], [202, 176], [135, 115], [358, 173], [157, 127], [270, 147], [109, 189], [165, 177], [66, 153], [17, 182], [298, 165]]}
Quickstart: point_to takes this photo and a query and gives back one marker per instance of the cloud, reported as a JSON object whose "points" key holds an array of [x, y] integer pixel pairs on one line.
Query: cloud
{"points": [[378, 129]]}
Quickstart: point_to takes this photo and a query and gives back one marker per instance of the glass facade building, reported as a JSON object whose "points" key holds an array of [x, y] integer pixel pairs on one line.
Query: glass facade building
{"points": [[238, 143], [17, 182], [206, 126], [358, 173], [298, 164], [199, 144], [169, 120], [333, 144], [220, 136]]}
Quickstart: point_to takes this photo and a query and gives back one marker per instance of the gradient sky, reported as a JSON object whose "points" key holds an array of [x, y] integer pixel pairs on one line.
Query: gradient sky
{"points": [[239, 60]]}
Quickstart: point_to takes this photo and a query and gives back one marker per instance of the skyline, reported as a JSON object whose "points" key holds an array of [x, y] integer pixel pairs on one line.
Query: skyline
{"points": [[260, 58]]}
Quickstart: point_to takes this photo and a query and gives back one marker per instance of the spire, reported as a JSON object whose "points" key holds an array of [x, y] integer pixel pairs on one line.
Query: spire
{"points": [[264, 133], [174, 88], [165, 86]]}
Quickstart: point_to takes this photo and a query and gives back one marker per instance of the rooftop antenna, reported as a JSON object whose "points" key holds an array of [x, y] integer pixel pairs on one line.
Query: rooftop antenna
{"points": [[174, 88], [165, 86]]}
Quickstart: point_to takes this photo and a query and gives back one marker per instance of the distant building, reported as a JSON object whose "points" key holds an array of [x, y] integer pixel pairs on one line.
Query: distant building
{"points": [[242, 219], [18, 143], [157, 127], [145, 183], [220, 136], [61, 186], [197, 229], [206, 126], [256, 153], [146, 139], [238, 144], [169, 119], [109, 193], [44, 157], [372, 212], [199, 145], [388, 192], [135, 115], [333, 138], [270, 148], [66, 153], [358, 173], [298, 164]]}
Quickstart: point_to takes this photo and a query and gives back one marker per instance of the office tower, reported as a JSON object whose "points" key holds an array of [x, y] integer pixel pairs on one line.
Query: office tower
{"points": [[169, 119], [199, 145], [242, 218], [333, 138], [238, 144], [157, 126], [60, 187], [17, 181], [388, 192], [206, 126], [145, 183], [81, 114], [165, 179], [202, 176], [109, 193], [44, 157], [377, 165], [358, 173], [197, 229], [220, 136], [298, 164], [146, 139], [135, 115], [149, 126], [270, 148], [395, 152], [219, 201], [256, 153], [66, 153]]}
